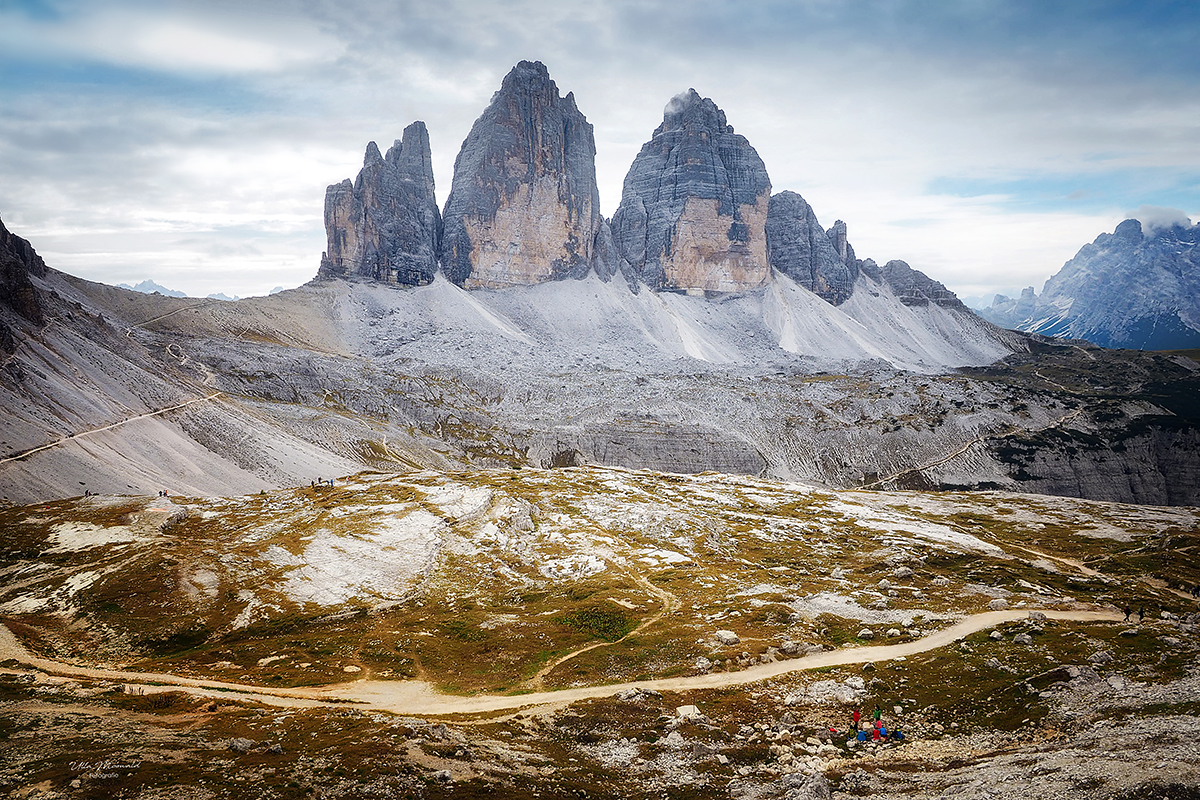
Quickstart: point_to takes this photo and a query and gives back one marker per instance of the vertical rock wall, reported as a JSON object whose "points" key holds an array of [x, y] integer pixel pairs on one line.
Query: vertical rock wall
{"points": [[18, 261], [385, 226], [694, 206], [523, 207], [797, 246]]}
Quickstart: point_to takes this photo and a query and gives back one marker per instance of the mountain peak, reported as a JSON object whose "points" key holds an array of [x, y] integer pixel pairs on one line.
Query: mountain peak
{"points": [[691, 111]]}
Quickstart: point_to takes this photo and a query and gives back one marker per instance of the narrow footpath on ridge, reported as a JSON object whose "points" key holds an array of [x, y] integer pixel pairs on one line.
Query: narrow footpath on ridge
{"points": [[419, 698]]}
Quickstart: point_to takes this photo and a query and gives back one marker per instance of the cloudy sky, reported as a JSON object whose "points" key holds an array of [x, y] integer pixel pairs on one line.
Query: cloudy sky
{"points": [[982, 141]]}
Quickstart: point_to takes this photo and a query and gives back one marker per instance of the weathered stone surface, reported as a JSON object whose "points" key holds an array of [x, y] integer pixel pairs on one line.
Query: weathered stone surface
{"points": [[18, 261], [523, 207], [385, 226], [694, 205], [800, 248]]}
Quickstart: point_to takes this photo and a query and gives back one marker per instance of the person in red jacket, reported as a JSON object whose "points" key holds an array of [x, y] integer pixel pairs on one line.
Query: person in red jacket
{"points": [[856, 717]]}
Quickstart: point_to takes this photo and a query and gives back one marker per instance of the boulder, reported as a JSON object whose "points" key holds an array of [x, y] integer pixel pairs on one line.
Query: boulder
{"points": [[999, 604], [240, 745], [523, 206], [789, 647], [694, 204], [703, 664], [902, 573], [1023, 638], [1036, 616], [866, 633], [385, 226], [805, 787], [727, 637]]}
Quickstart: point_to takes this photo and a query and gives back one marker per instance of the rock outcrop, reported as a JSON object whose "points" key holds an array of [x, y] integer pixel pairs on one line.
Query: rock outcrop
{"points": [[694, 206], [385, 226], [915, 288], [797, 246], [18, 261], [523, 207], [1130, 288]]}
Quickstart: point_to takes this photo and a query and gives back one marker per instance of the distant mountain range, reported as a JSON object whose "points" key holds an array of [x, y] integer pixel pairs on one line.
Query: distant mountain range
{"points": [[148, 286], [1132, 288]]}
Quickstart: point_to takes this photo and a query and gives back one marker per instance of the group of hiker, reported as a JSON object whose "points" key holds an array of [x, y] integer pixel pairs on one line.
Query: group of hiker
{"points": [[876, 731]]}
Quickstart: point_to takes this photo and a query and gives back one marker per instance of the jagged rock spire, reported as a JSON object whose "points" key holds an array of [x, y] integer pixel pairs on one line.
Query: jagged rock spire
{"points": [[523, 207], [385, 226]]}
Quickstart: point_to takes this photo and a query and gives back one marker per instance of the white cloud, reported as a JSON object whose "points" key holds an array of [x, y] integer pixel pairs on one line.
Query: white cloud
{"points": [[1156, 218], [169, 41]]}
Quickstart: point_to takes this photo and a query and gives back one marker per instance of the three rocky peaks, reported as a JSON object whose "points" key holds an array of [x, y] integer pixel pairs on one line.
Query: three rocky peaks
{"points": [[696, 214]]}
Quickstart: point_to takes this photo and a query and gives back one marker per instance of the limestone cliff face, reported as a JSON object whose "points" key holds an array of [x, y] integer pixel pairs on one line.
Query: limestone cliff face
{"points": [[385, 226], [18, 262], [797, 246], [523, 207], [694, 205]]}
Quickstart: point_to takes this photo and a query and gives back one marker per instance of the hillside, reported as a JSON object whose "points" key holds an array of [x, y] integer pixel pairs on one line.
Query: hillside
{"points": [[489, 584]]}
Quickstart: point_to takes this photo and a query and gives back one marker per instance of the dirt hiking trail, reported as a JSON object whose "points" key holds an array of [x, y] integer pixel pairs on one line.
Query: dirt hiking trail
{"points": [[419, 698]]}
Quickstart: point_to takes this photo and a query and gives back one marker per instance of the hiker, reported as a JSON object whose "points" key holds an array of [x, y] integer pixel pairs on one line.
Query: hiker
{"points": [[856, 718], [1141, 613], [1128, 611], [878, 713]]}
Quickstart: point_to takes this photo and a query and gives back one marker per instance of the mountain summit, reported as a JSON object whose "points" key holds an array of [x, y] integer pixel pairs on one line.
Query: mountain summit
{"points": [[694, 205], [1131, 288], [523, 207]]}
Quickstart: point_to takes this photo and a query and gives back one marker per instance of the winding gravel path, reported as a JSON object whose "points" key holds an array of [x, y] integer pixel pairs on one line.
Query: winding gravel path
{"points": [[419, 698]]}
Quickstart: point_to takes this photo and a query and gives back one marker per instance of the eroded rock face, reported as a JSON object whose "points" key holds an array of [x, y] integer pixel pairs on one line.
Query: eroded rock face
{"points": [[523, 207], [18, 261], [797, 246], [385, 226], [915, 288], [694, 205]]}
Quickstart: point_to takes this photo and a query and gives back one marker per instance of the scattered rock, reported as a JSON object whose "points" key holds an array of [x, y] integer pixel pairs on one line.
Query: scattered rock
{"points": [[1023, 638], [788, 647], [1037, 616], [996, 635], [902, 573], [866, 633], [999, 604], [351, 669], [1101, 658], [1129, 632], [885, 584], [893, 632], [940, 580], [684, 712]]}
